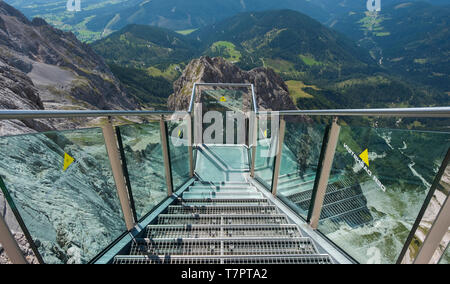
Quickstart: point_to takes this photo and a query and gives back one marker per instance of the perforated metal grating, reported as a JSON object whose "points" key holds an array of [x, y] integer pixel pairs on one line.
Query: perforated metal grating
{"points": [[300, 259], [218, 209], [221, 219], [230, 227], [222, 231], [210, 247]]}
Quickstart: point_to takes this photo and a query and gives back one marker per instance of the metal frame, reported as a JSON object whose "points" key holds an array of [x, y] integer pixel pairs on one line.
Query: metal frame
{"points": [[321, 184], [125, 171], [19, 219], [166, 155], [118, 173], [276, 168], [435, 235], [439, 227], [190, 146], [10, 245]]}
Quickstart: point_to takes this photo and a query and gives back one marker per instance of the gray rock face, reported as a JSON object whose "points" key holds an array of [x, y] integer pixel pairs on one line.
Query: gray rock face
{"points": [[39, 49], [271, 91]]}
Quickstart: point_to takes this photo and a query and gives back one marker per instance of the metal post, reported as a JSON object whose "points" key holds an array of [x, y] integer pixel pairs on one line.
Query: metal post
{"points": [[276, 170], [439, 228], [435, 235], [428, 209], [166, 155], [117, 170], [190, 147], [324, 174], [254, 144], [9, 243]]}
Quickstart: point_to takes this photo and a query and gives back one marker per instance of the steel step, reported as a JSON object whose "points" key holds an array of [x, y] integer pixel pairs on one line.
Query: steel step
{"points": [[207, 247], [223, 231], [222, 189], [244, 259], [219, 209], [223, 219], [223, 201], [217, 187], [221, 195]]}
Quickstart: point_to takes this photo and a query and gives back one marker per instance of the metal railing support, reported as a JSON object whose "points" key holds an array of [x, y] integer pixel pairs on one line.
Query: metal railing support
{"points": [[254, 128], [190, 147], [276, 170], [320, 187], [166, 156], [440, 225], [428, 209], [435, 235], [117, 170], [10, 245]]}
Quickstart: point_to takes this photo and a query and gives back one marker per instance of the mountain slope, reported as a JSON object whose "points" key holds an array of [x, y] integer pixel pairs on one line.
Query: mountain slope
{"points": [[145, 46], [98, 18], [288, 41], [66, 72], [410, 38]]}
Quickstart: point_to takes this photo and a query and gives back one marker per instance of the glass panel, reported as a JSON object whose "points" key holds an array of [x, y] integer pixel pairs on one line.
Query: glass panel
{"points": [[265, 150], [224, 99], [380, 180], [446, 256], [72, 214], [179, 152], [222, 163], [299, 160], [145, 163]]}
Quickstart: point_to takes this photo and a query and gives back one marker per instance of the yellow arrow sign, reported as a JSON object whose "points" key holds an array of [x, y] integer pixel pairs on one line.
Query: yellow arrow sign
{"points": [[68, 160], [265, 133], [365, 156], [223, 99]]}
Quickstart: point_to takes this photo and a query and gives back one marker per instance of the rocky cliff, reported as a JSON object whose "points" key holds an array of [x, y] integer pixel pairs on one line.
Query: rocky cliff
{"points": [[270, 90], [63, 72]]}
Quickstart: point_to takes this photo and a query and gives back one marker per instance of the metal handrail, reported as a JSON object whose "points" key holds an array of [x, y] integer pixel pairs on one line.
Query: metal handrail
{"points": [[35, 114], [387, 112]]}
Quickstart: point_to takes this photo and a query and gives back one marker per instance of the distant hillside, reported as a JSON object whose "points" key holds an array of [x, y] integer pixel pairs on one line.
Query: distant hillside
{"points": [[410, 38], [145, 46], [322, 68], [290, 42], [147, 60], [98, 18]]}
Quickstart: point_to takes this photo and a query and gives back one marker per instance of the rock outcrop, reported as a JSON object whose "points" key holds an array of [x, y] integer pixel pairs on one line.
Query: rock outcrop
{"points": [[65, 72], [270, 90]]}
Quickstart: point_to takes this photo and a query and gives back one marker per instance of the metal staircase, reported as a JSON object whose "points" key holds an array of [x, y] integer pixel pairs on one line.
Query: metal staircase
{"points": [[226, 223]]}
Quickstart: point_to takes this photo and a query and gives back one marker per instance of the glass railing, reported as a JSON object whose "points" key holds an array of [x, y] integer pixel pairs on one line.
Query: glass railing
{"points": [[141, 144], [379, 182], [179, 151], [382, 177], [299, 162], [266, 149], [60, 187], [445, 259], [224, 110]]}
